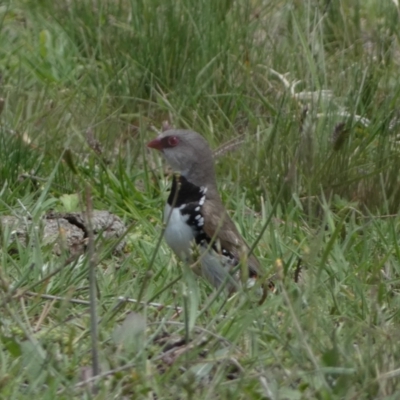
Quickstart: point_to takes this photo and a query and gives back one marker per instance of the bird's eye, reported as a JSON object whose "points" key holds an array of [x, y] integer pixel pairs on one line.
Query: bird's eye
{"points": [[172, 141]]}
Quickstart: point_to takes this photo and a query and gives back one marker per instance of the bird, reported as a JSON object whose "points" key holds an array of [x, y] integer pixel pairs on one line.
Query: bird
{"points": [[196, 220]]}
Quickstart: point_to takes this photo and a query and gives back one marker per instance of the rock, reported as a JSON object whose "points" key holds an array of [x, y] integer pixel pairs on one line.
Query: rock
{"points": [[67, 230]]}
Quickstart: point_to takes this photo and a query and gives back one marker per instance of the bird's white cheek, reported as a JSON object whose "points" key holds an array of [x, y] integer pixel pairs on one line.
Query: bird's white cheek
{"points": [[178, 234]]}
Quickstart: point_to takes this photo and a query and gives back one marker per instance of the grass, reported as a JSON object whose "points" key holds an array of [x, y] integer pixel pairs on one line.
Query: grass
{"points": [[311, 91]]}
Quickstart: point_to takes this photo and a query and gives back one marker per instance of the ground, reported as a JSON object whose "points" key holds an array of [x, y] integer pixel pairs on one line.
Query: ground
{"points": [[299, 99]]}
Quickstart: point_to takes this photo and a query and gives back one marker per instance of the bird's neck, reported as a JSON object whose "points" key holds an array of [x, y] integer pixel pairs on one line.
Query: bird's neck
{"points": [[200, 176]]}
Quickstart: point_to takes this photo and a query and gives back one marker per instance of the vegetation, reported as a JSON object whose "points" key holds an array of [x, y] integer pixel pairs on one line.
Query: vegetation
{"points": [[309, 91]]}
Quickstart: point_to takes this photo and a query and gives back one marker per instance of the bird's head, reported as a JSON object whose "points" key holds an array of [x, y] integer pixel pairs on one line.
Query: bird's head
{"points": [[188, 153]]}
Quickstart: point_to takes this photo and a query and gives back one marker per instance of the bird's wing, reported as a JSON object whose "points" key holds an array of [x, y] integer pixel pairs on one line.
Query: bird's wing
{"points": [[223, 232]]}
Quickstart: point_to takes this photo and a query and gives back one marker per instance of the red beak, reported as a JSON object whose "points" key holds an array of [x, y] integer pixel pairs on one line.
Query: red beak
{"points": [[155, 144]]}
